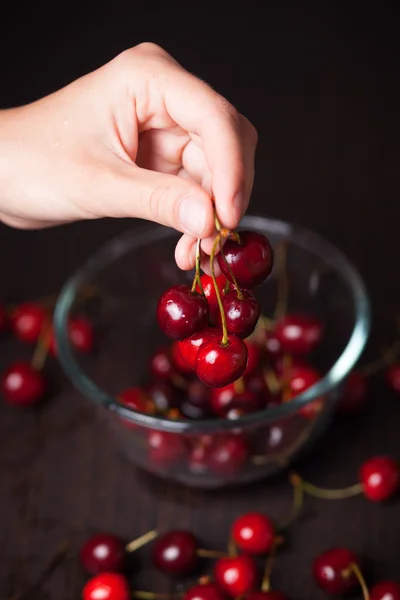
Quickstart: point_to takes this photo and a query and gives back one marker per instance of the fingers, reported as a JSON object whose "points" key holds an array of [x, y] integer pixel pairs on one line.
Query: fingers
{"points": [[185, 255]]}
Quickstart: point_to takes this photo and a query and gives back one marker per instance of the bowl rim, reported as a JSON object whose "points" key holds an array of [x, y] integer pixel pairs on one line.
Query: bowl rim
{"points": [[141, 235]]}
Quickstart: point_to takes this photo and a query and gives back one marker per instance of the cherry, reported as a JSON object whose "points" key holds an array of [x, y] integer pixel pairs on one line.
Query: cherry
{"points": [[250, 260], [380, 478], [300, 379], [253, 359], [136, 398], [209, 292], [81, 335], [107, 586], [181, 312], [199, 454], [227, 455], [175, 552], [165, 448], [205, 591], [354, 394], [218, 365], [270, 595], [190, 347], [103, 552], [272, 346], [163, 395], [22, 385], [196, 404], [179, 362], [227, 398], [253, 533], [393, 377], [161, 365], [27, 321], [242, 312], [256, 383], [281, 434], [236, 575], [3, 318], [386, 590], [331, 571], [299, 334]]}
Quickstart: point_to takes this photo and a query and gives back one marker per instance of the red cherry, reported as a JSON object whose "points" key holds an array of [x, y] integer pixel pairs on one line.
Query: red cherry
{"points": [[272, 346], [271, 595], [241, 314], [165, 448], [253, 533], [256, 383], [253, 359], [199, 454], [386, 590], [190, 347], [175, 552], [81, 335], [206, 591], [209, 292], [354, 394], [250, 261], [393, 377], [136, 398], [282, 434], [300, 379], [3, 318], [218, 365], [299, 334], [196, 404], [103, 552], [27, 321], [227, 398], [179, 362], [380, 477], [22, 385], [161, 365], [181, 312], [237, 575], [330, 571], [163, 395], [107, 586], [228, 455]]}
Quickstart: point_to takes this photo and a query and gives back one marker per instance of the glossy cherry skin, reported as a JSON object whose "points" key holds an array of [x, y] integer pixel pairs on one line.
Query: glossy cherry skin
{"points": [[103, 552], [250, 261], [228, 455], [81, 334], [299, 334], [271, 595], [22, 385], [218, 365], [329, 571], [175, 552], [237, 575], [27, 321], [181, 312], [209, 292], [161, 365], [272, 346], [226, 398], [253, 533], [380, 478], [206, 591], [393, 377], [254, 359], [178, 362], [190, 347], [302, 378], [241, 314], [165, 448], [163, 395], [281, 434], [354, 394], [136, 398], [107, 586], [386, 590]]}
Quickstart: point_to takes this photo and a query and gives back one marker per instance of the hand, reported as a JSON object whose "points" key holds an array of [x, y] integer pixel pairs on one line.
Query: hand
{"points": [[139, 137]]}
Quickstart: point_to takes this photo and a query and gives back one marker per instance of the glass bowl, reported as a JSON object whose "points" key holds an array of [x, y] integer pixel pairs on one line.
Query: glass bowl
{"points": [[119, 287]]}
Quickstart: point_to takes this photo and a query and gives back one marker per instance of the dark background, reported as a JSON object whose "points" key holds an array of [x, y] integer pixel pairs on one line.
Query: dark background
{"points": [[320, 81]]}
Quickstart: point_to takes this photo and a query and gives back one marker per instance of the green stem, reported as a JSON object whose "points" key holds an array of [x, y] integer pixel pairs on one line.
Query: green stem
{"points": [[235, 283], [224, 340], [141, 541], [266, 580], [388, 357], [326, 494], [42, 347], [297, 505], [197, 276], [354, 569]]}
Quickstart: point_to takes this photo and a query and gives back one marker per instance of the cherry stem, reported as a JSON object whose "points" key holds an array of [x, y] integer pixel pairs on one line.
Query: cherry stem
{"points": [[141, 541], [197, 277], [204, 553], [325, 494], [297, 505], [287, 363], [235, 283], [387, 358], [283, 282], [232, 550], [266, 580], [224, 340], [42, 347], [354, 569], [271, 381], [239, 386]]}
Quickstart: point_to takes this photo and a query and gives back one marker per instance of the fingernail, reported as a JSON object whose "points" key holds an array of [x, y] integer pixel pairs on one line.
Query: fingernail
{"points": [[192, 216]]}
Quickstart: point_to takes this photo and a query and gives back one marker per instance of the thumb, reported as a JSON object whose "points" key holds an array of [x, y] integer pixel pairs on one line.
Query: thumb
{"points": [[165, 199]]}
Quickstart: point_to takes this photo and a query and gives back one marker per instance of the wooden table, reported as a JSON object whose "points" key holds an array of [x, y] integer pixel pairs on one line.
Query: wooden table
{"points": [[322, 87]]}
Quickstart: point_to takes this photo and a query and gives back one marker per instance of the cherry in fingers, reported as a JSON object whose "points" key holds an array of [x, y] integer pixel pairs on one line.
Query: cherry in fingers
{"points": [[103, 552], [386, 590], [242, 312], [380, 478], [250, 261], [27, 321], [206, 591], [218, 365], [181, 312], [175, 553], [332, 571], [253, 533], [236, 575], [299, 334], [107, 586], [190, 347], [22, 385]]}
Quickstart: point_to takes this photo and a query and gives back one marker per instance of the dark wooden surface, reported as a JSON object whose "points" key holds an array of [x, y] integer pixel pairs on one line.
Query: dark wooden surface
{"points": [[322, 86]]}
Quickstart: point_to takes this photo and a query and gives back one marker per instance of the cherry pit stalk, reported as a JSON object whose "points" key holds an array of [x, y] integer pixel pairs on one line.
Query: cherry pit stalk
{"points": [[211, 340]]}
